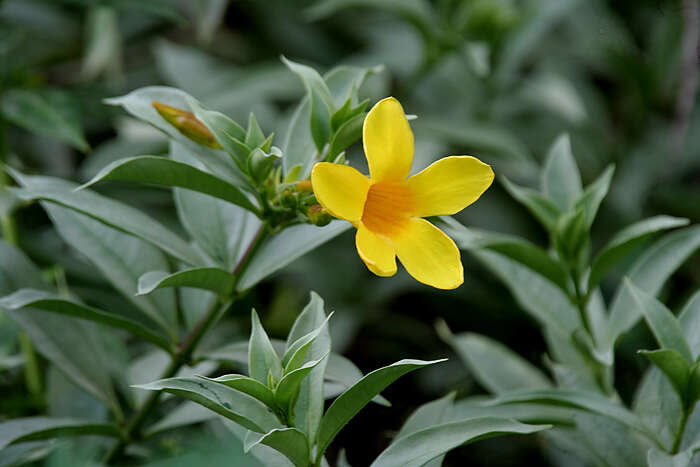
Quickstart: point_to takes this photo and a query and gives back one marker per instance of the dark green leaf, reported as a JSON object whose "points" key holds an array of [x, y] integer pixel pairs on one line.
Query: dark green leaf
{"points": [[289, 441], [288, 387], [167, 172], [249, 386], [40, 300], [234, 405], [626, 241], [349, 403], [348, 133], [420, 447], [214, 279], [672, 364], [36, 428], [594, 194], [110, 212], [544, 210]]}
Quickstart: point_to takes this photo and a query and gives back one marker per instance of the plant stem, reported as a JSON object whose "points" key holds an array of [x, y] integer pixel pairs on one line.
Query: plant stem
{"points": [[681, 429], [185, 350]]}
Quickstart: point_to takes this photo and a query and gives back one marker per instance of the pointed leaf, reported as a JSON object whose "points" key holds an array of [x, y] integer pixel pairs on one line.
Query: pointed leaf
{"points": [[217, 280], [234, 405], [672, 364], [247, 385], [294, 355], [288, 387], [349, 403], [157, 170], [543, 209], [420, 447], [593, 195], [289, 441], [40, 300], [35, 428], [561, 181], [262, 357]]}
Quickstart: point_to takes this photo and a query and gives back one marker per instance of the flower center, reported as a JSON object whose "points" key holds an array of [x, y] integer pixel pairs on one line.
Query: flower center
{"points": [[388, 207]]}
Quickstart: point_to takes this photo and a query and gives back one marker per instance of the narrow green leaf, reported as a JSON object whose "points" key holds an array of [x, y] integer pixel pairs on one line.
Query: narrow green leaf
{"points": [[262, 357], [247, 385], [187, 413], [693, 385], [35, 428], [308, 409], [217, 280], [348, 133], [561, 181], [321, 101], [663, 323], [586, 401], [649, 273], [522, 251], [494, 365], [427, 415], [289, 441], [45, 112], [594, 194], [108, 211], [349, 403], [234, 405], [40, 300], [626, 241], [420, 447], [478, 406], [288, 387], [167, 172], [229, 134], [285, 247], [295, 354], [543, 209], [672, 364]]}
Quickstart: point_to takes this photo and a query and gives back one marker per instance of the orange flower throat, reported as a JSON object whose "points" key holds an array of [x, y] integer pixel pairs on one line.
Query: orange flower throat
{"points": [[388, 207]]}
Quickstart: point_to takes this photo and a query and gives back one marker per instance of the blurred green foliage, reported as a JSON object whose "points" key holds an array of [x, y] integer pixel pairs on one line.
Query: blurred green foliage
{"points": [[498, 79]]}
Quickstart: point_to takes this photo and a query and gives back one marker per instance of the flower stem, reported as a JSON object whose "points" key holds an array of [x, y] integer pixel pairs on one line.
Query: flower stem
{"points": [[185, 350]]}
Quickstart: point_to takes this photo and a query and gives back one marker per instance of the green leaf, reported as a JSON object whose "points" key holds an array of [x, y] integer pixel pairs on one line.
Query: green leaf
{"points": [[289, 441], [308, 409], [649, 273], [288, 387], [247, 385], [673, 365], [167, 172], [222, 229], [478, 406], [543, 209], [108, 211], [521, 251], [348, 133], [577, 399], [662, 322], [349, 403], [46, 112], [285, 247], [428, 415], [571, 237], [420, 447], [593, 195], [121, 258], [693, 388], [321, 101], [214, 279], [35, 428], [298, 146], [40, 300], [103, 44], [535, 294], [658, 458], [187, 413], [626, 241], [234, 405], [495, 366], [561, 181], [262, 358], [296, 352]]}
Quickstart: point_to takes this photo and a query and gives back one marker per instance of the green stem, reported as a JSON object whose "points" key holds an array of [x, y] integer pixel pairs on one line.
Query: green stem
{"points": [[32, 375], [185, 351], [681, 430]]}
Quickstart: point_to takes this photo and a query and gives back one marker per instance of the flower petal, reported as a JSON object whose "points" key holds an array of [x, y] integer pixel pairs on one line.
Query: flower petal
{"points": [[377, 252], [429, 255], [340, 189], [449, 185], [388, 141]]}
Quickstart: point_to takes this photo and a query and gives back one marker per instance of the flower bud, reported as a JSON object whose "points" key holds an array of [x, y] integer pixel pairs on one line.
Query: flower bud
{"points": [[288, 200], [318, 216], [186, 123], [305, 185]]}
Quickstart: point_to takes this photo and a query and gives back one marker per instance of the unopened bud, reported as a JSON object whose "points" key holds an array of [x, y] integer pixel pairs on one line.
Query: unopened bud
{"points": [[318, 216], [186, 123], [304, 185]]}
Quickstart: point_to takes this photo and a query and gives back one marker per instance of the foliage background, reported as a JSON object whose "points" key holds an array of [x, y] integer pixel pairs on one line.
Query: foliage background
{"points": [[498, 79]]}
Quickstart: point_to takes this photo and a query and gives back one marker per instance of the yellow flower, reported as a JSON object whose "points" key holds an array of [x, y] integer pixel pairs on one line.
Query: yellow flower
{"points": [[387, 208]]}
